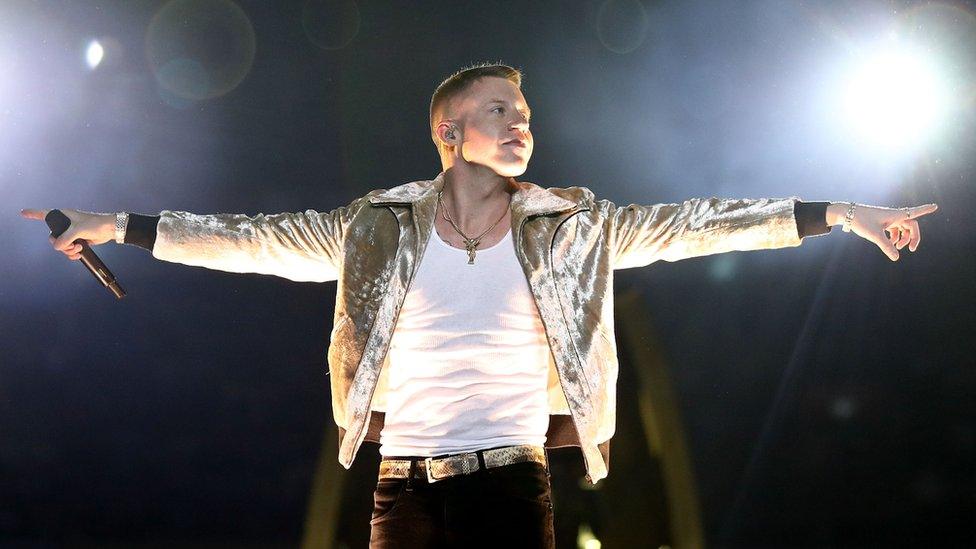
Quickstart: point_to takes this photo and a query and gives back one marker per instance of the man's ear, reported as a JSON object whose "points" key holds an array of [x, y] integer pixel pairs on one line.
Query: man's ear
{"points": [[447, 133]]}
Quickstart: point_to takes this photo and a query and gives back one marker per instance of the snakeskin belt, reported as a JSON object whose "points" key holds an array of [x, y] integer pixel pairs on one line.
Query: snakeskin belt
{"points": [[441, 468]]}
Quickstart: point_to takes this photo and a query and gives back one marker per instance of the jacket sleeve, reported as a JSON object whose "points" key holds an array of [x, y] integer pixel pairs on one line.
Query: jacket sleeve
{"points": [[305, 247], [641, 235]]}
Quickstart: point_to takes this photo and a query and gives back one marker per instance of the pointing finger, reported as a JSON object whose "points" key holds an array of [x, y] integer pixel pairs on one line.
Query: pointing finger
{"points": [[34, 214], [919, 211]]}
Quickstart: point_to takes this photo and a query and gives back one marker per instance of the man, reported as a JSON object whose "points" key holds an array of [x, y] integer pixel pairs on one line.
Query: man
{"points": [[474, 316]]}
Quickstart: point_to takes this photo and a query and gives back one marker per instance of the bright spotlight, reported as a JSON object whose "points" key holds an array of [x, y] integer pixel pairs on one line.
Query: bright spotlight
{"points": [[895, 98], [585, 538], [94, 54]]}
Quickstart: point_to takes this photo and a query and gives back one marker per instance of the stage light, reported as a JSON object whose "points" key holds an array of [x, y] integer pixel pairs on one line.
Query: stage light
{"points": [[94, 54], [585, 538], [894, 98]]}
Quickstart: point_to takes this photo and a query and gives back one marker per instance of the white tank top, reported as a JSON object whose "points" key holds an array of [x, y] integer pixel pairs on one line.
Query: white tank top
{"points": [[469, 359]]}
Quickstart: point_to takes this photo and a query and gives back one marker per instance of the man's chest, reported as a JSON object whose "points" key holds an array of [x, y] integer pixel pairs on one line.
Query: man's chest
{"points": [[448, 293]]}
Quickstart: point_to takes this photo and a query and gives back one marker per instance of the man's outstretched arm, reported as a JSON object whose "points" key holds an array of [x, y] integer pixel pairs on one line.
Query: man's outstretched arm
{"points": [[299, 246], [697, 227]]}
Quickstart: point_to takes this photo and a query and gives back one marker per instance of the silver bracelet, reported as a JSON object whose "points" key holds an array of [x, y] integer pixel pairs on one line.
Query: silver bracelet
{"points": [[121, 222], [849, 218]]}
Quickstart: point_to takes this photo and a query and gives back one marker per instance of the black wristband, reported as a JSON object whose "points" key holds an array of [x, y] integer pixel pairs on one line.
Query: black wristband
{"points": [[141, 230], [811, 218]]}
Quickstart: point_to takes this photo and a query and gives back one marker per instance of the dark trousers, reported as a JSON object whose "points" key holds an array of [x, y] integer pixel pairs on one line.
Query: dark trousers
{"points": [[508, 506]]}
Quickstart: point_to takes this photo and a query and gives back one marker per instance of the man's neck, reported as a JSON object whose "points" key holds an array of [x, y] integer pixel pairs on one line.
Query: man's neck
{"points": [[476, 198]]}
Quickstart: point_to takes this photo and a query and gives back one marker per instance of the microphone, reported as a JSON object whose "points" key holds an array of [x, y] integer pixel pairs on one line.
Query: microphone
{"points": [[58, 223]]}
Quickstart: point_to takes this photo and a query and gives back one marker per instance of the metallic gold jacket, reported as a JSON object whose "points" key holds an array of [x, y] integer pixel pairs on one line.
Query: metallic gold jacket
{"points": [[568, 243]]}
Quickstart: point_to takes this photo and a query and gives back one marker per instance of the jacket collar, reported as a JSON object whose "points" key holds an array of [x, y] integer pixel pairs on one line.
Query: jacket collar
{"points": [[529, 199]]}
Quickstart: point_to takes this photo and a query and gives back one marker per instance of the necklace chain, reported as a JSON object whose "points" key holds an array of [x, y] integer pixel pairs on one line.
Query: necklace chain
{"points": [[470, 244]]}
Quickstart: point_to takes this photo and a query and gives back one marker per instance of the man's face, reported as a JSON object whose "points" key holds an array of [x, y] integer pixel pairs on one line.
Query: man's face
{"points": [[495, 119]]}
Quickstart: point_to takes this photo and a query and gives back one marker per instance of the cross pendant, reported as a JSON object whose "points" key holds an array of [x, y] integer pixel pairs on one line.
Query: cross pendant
{"points": [[470, 245]]}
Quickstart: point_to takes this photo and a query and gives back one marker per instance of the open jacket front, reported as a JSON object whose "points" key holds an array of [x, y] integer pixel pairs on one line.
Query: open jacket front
{"points": [[567, 242]]}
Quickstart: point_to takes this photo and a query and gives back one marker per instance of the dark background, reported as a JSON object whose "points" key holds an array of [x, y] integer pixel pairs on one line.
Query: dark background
{"points": [[826, 393]]}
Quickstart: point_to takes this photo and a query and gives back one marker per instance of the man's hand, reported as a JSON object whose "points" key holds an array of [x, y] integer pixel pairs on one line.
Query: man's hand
{"points": [[93, 228], [872, 222]]}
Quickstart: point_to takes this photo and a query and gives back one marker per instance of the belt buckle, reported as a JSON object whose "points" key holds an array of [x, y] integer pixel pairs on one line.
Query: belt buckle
{"points": [[430, 471]]}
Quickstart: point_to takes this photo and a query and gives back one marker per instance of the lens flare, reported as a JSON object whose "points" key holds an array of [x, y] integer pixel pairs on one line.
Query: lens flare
{"points": [[200, 49]]}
